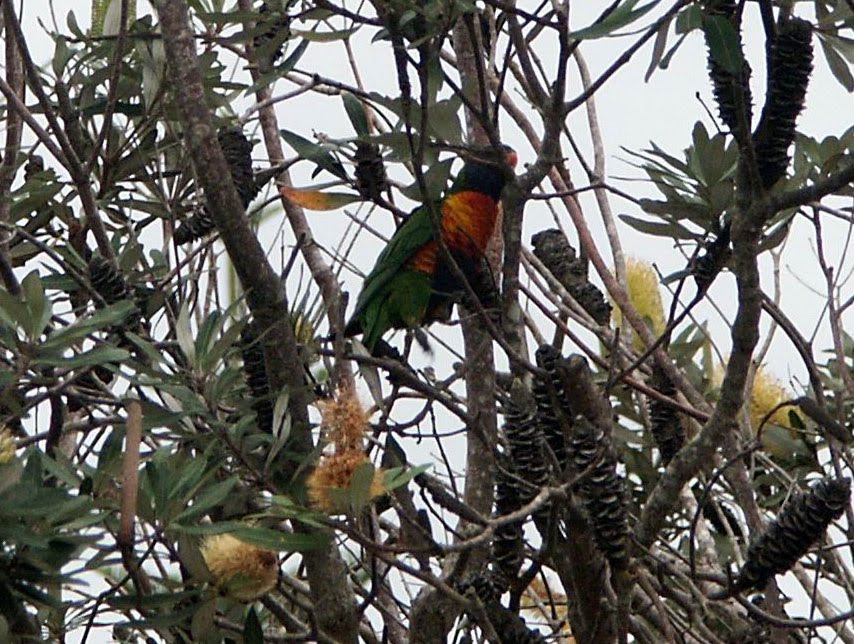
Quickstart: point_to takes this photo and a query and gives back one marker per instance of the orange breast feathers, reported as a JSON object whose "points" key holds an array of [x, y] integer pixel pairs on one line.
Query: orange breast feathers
{"points": [[468, 219]]}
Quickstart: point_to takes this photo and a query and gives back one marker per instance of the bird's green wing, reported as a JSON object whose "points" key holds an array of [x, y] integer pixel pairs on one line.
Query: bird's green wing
{"points": [[402, 303], [416, 231]]}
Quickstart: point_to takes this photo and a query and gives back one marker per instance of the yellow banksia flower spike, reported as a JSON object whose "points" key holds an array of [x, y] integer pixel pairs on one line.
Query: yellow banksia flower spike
{"points": [[240, 570], [645, 296]]}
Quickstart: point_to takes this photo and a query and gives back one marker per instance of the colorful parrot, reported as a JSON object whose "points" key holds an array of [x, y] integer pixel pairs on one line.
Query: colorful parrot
{"points": [[410, 286]]}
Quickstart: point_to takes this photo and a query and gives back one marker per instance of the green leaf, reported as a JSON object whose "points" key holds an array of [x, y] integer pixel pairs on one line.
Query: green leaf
{"points": [[13, 311], [658, 49], [209, 498], [252, 631], [111, 315], [324, 36], [279, 540], [153, 600], [724, 44], [659, 229], [356, 113], [40, 308], [359, 491], [184, 334], [314, 153], [838, 67], [623, 15], [98, 355]]}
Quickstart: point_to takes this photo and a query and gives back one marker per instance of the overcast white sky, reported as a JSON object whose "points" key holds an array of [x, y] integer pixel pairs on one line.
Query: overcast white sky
{"points": [[631, 114]]}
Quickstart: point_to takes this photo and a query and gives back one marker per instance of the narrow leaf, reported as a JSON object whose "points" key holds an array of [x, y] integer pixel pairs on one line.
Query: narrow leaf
{"points": [[838, 67], [314, 153], [252, 631], [356, 113], [318, 200], [658, 49], [723, 42], [623, 15]]}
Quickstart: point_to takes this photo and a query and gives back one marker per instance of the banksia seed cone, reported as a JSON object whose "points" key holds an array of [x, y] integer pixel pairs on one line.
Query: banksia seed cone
{"points": [[237, 151], [602, 491], [196, 227], [801, 522], [664, 421], [789, 75], [370, 171], [526, 445], [256, 376], [240, 570], [553, 249], [507, 546], [276, 26], [553, 409], [238, 155], [712, 260], [527, 455], [730, 90], [107, 281], [110, 284]]}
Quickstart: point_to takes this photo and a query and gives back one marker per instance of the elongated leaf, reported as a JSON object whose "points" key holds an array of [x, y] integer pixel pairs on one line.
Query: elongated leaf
{"points": [[659, 229], [40, 308], [724, 45], [324, 36], [279, 540], [96, 356], [356, 113], [252, 631], [838, 67], [210, 497], [623, 15], [658, 49], [314, 153], [184, 334], [319, 200]]}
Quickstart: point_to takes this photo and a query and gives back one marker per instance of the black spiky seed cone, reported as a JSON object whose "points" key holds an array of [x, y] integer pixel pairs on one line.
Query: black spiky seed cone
{"points": [[790, 68], [592, 300], [274, 28], [553, 249], [237, 151], [370, 171], [602, 491], [256, 376], [196, 227], [664, 421], [111, 285], [507, 545], [801, 522], [712, 259], [553, 409], [730, 90], [238, 155]]}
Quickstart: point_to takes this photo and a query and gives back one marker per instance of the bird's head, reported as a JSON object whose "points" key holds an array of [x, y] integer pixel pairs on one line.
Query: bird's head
{"points": [[487, 169]]}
